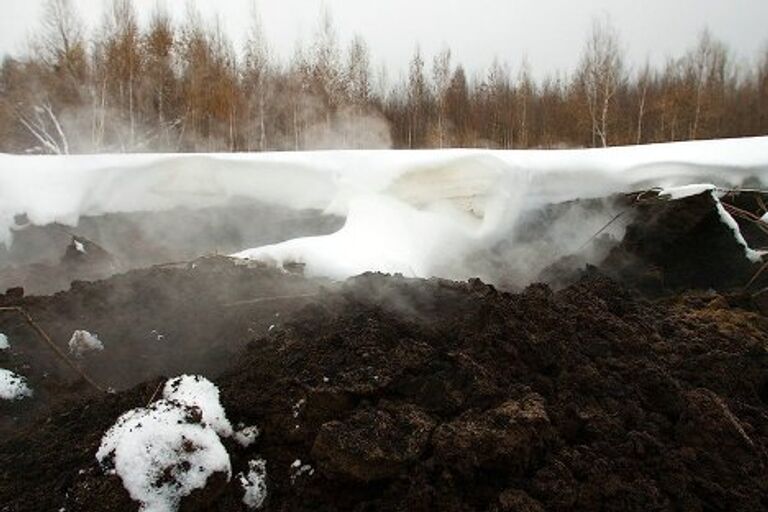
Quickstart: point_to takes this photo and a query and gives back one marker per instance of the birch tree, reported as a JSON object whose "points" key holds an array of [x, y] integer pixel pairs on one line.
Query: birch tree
{"points": [[601, 74]]}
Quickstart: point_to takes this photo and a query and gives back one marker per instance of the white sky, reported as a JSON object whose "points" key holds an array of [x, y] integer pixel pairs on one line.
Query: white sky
{"points": [[549, 32]]}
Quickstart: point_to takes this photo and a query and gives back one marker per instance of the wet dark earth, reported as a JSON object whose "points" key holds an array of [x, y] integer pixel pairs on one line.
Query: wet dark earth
{"points": [[637, 384]]}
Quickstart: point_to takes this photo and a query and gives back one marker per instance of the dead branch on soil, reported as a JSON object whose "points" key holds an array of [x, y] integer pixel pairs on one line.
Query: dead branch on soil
{"points": [[48, 341], [157, 390], [614, 219], [757, 274], [269, 299], [744, 214], [761, 204]]}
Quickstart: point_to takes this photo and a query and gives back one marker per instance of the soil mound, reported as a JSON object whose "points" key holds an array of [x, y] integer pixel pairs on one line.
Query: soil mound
{"points": [[399, 394], [641, 385]]}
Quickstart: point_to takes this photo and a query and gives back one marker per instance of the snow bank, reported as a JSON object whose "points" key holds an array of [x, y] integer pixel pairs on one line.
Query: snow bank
{"points": [[165, 451], [4, 344], [13, 386], [254, 483], [82, 342], [421, 213]]}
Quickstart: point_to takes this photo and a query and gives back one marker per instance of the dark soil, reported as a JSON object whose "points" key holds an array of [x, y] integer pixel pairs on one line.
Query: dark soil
{"points": [[619, 393]]}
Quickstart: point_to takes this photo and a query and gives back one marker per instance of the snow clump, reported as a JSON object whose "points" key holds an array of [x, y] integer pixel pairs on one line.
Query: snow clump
{"points": [[13, 386], [167, 450], [82, 342], [255, 484], [246, 436]]}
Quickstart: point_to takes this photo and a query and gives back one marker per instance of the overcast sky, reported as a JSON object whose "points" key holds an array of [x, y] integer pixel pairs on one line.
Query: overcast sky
{"points": [[549, 32]]}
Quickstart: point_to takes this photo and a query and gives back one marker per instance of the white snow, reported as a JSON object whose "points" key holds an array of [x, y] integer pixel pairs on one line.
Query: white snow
{"points": [[420, 213], [254, 484], [298, 470], [675, 193], [4, 344], [83, 342], [165, 451], [246, 436], [297, 407], [79, 247], [729, 221], [197, 391], [13, 386], [684, 191]]}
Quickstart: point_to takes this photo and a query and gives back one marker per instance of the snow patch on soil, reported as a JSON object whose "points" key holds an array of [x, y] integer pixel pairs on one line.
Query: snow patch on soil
{"points": [[246, 436], [165, 451], [254, 484], [674, 193], [83, 342], [13, 386], [4, 344], [197, 391]]}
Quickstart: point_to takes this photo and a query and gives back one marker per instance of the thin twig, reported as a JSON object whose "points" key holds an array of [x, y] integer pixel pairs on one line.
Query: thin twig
{"points": [[757, 274], [744, 214], [614, 219], [47, 340], [269, 299], [157, 390], [761, 204]]}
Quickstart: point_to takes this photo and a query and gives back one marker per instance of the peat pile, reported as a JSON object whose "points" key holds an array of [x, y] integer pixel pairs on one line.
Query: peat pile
{"points": [[618, 392], [159, 321], [401, 394]]}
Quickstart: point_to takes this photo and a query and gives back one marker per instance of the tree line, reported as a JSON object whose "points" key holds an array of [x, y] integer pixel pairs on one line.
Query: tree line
{"points": [[182, 85]]}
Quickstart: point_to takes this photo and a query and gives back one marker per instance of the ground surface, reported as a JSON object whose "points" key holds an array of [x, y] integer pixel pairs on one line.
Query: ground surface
{"points": [[631, 388]]}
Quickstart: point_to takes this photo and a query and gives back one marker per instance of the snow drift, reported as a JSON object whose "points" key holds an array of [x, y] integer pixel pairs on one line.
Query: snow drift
{"points": [[441, 213]]}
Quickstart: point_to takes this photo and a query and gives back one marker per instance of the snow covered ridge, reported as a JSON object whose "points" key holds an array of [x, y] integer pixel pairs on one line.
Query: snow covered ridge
{"points": [[420, 213], [172, 447]]}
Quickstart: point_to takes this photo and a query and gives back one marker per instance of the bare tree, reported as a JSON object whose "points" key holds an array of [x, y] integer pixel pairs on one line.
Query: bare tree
{"points": [[160, 78], [45, 127], [61, 43], [705, 67], [441, 78], [417, 100], [601, 74], [258, 63], [326, 65], [358, 73], [526, 90], [121, 64], [643, 83]]}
